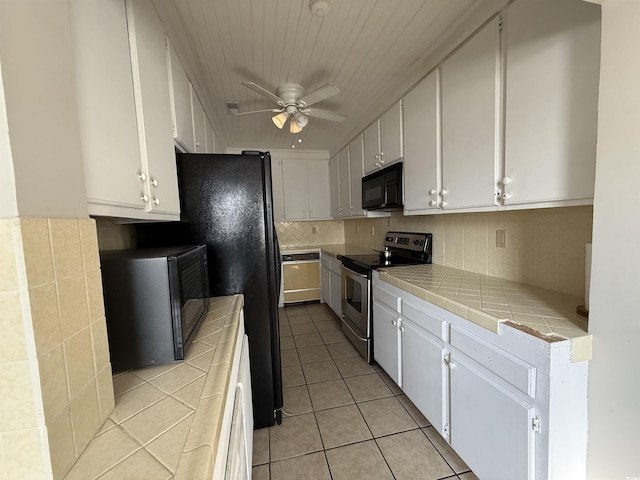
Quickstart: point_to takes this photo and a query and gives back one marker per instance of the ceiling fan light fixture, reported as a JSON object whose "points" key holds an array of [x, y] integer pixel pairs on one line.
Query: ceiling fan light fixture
{"points": [[294, 127], [280, 119], [301, 120]]}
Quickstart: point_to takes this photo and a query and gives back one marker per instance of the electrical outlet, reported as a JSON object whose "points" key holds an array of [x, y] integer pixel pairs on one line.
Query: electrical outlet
{"points": [[501, 238], [314, 230], [373, 230]]}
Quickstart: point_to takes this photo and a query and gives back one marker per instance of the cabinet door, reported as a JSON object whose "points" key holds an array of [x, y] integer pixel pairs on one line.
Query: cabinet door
{"points": [[490, 424], [325, 289], [371, 148], [469, 122], [335, 284], [153, 106], [107, 122], [356, 151], [334, 174], [385, 341], [210, 137], [294, 184], [319, 189], [552, 72], [277, 190], [424, 373], [180, 90], [421, 136], [391, 135], [199, 119], [345, 183]]}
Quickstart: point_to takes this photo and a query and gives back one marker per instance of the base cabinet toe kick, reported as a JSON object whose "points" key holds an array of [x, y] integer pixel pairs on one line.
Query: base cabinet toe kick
{"points": [[512, 405]]}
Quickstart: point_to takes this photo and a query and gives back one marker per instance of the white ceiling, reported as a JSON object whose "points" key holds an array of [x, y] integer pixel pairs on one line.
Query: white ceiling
{"points": [[372, 50]]}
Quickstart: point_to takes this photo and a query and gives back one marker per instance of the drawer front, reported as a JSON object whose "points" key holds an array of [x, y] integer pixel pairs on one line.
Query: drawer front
{"points": [[391, 301], [511, 369], [431, 323]]}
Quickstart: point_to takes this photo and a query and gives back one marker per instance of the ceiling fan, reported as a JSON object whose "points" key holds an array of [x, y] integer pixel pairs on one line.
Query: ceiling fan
{"points": [[294, 104]]}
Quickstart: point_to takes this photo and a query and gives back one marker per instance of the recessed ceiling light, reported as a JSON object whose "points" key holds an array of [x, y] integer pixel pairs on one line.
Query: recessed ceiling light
{"points": [[319, 8]]}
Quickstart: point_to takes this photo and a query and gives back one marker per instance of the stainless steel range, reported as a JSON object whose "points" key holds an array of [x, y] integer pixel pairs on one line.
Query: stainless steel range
{"points": [[401, 248]]}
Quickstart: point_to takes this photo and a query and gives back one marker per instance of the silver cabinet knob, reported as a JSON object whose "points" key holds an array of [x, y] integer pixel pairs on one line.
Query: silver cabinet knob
{"points": [[144, 197], [154, 182], [443, 204], [506, 196], [506, 180], [432, 191], [443, 192], [156, 201], [142, 176], [394, 322], [402, 329], [432, 203]]}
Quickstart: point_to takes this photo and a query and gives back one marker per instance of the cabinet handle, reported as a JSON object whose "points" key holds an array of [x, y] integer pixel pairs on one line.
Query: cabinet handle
{"points": [[432, 203], [443, 204], [156, 201], [432, 191], [154, 182], [506, 180], [377, 157], [197, 144], [144, 197], [443, 192], [394, 322], [381, 154], [402, 329], [506, 196], [381, 162], [142, 176]]}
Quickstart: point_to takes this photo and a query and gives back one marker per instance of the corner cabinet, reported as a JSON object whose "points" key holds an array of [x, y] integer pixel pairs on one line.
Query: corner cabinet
{"points": [[510, 404], [302, 191], [127, 145], [383, 140]]}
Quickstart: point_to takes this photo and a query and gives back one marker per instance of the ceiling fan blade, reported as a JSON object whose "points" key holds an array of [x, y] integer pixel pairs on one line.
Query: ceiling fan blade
{"points": [[265, 93], [318, 95], [324, 114], [272, 110]]}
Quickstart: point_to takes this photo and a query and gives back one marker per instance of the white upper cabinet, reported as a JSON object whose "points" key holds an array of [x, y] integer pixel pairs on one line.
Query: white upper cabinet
{"points": [[210, 137], [334, 176], [199, 123], [277, 190], [470, 80], [344, 182], [421, 146], [383, 140], [552, 72], [180, 91], [107, 122], [356, 173], [306, 189]]}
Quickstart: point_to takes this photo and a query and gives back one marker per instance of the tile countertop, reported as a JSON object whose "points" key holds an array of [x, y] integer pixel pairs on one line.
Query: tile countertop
{"points": [[492, 302], [166, 421]]}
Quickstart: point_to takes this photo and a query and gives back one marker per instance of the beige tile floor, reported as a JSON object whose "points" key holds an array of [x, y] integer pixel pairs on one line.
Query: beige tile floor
{"points": [[343, 418]]}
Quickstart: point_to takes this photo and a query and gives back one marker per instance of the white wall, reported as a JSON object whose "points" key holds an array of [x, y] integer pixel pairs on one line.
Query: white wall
{"points": [[8, 203], [614, 382], [39, 96]]}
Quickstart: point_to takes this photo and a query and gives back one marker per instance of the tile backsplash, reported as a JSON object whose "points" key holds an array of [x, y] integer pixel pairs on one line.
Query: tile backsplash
{"points": [[55, 374], [310, 233]]}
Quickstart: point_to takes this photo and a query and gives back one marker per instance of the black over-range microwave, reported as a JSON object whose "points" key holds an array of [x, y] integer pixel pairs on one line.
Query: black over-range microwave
{"points": [[382, 190], [154, 300]]}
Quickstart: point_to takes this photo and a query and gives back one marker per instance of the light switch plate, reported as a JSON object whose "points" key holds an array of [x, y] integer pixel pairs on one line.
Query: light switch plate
{"points": [[501, 238]]}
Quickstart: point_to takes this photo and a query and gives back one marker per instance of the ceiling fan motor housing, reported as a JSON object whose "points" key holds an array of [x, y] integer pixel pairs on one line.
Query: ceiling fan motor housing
{"points": [[290, 93]]}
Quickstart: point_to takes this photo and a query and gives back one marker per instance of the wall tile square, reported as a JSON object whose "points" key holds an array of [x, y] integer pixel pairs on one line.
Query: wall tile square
{"points": [[67, 249], [79, 360], [89, 241], [85, 416], [106, 401], [16, 396], [61, 445], [12, 339], [23, 454], [45, 316], [94, 295], [72, 298], [53, 379], [38, 257], [8, 271], [100, 343]]}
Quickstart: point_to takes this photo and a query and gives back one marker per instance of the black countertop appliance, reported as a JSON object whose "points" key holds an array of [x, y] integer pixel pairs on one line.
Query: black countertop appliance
{"points": [[226, 203]]}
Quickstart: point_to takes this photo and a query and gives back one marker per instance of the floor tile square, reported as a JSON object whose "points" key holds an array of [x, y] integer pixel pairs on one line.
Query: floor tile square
{"points": [[260, 472], [308, 467], [320, 372], [299, 319], [260, 446], [419, 418], [445, 450], [285, 331], [329, 394], [318, 353], [289, 358], [295, 436], [386, 416], [317, 308], [358, 461], [352, 366], [308, 340], [342, 426], [295, 310], [342, 350], [292, 376], [303, 328], [296, 400], [327, 325], [411, 455], [367, 387], [334, 336], [286, 343]]}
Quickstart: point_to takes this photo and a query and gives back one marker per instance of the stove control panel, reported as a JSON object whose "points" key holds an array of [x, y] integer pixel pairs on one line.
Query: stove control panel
{"points": [[417, 242]]}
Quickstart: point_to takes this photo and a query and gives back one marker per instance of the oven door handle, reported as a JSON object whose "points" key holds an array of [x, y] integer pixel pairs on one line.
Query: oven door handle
{"points": [[351, 272], [345, 322]]}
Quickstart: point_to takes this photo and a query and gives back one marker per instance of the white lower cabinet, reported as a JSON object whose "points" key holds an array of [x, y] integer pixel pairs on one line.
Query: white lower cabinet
{"points": [[331, 282], [511, 405]]}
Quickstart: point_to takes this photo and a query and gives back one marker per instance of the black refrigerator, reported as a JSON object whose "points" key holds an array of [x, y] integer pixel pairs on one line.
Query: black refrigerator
{"points": [[227, 204]]}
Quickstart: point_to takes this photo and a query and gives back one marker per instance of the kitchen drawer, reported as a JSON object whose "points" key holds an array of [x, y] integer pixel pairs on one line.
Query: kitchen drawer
{"points": [[388, 299], [430, 322], [509, 368]]}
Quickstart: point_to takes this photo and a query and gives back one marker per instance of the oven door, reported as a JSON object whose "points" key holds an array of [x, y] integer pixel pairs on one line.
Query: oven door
{"points": [[355, 300]]}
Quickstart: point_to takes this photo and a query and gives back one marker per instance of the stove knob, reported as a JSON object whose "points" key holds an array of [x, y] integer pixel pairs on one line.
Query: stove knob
{"points": [[416, 242]]}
